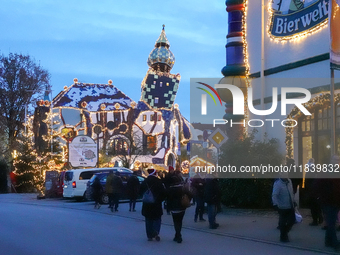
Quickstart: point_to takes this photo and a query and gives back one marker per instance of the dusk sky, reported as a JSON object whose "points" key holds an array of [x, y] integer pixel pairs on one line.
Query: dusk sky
{"points": [[95, 41]]}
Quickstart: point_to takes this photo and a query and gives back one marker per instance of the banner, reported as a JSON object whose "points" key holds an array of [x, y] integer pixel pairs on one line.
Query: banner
{"points": [[334, 24]]}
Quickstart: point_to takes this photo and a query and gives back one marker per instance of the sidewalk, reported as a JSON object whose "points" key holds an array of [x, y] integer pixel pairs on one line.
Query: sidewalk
{"points": [[255, 225]]}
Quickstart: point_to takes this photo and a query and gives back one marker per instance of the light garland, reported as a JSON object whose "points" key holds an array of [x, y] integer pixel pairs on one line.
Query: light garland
{"points": [[185, 166], [246, 61], [322, 99], [296, 37]]}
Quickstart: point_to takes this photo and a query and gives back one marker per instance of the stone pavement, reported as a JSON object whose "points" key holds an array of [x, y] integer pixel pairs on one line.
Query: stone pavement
{"points": [[255, 225]]}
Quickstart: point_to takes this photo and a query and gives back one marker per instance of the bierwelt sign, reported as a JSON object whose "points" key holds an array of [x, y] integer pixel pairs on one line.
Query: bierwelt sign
{"points": [[299, 21]]}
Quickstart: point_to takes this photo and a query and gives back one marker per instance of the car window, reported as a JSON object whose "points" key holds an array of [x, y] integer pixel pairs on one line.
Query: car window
{"points": [[93, 177], [124, 177], [103, 178], [68, 176], [86, 175]]}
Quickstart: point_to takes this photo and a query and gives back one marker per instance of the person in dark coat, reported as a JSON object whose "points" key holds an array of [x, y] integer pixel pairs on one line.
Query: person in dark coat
{"points": [[175, 192], [117, 189], [212, 196], [166, 181], [108, 189], [198, 184], [97, 192], [132, 188], [153, 211], [312, 196], [329, 194]]}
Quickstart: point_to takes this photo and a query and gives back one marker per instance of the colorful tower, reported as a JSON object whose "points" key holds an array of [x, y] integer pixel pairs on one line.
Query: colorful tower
{"points": [[159, 87], [235, 70]]}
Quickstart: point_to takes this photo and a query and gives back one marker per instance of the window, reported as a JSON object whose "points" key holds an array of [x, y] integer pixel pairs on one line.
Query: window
{"points": [[121, 146], [68, 176], [86, 175], [152, 117], [151, 143], [159, 117], [144, 117], [161, 84], [156, 100]]}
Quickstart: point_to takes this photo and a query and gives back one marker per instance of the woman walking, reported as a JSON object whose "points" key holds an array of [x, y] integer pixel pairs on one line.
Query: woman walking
{"points": [[175, 194], [152, 210]]}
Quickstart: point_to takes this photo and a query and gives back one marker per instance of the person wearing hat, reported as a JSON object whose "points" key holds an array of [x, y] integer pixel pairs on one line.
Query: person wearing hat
{"points": [[152, 211]]}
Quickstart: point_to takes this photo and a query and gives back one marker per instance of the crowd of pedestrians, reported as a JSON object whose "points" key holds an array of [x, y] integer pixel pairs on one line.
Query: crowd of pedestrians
{"points": [[202, 190]]}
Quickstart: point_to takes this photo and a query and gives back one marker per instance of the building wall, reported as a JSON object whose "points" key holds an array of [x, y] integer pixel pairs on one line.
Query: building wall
{"points": [[280, 55]]}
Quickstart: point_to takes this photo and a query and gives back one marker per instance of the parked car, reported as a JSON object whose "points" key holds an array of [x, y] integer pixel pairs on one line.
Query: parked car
{"points": [[76, 179], [60, 184], [102, 177]]}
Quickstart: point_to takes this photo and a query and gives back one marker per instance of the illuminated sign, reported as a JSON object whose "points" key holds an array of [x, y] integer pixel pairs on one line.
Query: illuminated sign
{"points": [[291, 18]]}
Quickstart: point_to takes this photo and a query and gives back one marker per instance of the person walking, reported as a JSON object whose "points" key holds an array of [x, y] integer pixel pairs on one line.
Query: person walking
{"points": [[117, 189], [198, 184], [283, 202], [312, 197], [175, 193], [166, 182], [212, 196], [132, 188], [97, 192], [152, 211], [329, 193], [109, 189]]}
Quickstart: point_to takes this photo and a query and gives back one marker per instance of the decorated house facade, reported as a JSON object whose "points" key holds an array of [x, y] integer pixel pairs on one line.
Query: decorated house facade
{"points": [[150, 130]]}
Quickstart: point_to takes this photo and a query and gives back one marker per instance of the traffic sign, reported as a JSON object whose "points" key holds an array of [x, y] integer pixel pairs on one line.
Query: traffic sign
{"points": [[217, 138]]}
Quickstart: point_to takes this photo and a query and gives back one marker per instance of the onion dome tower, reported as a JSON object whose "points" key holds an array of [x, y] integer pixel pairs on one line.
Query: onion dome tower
{"points": [[161, 58], [235, 71], [159, 87]]}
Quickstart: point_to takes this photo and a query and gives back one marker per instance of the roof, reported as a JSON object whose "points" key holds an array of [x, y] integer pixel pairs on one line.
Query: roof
{"points": [[92, 96]]}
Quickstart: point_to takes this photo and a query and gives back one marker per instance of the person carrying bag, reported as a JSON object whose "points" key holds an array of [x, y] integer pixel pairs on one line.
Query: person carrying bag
{"points": [[179, 198]]}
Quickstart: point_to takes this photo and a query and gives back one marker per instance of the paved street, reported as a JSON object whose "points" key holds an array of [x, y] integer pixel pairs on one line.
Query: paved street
{"points": [[57, 226]]}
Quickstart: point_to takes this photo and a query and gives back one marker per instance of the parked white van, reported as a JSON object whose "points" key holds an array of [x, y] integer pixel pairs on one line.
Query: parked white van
{"points": [[76, 179]]}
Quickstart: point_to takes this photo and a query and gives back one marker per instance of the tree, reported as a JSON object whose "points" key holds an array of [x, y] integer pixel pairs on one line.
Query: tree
{"points": [[127, 148], [21, 82], [252, 191]]}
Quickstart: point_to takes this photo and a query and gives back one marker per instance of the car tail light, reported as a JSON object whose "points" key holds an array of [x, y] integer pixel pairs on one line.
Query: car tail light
{"points": [[74, 185]]}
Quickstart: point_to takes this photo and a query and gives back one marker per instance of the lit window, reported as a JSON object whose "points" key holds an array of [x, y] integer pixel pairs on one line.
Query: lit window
{"points": [[144, 117], [161, 84], [159, 117], [167, 84], [151, 142], [156, 100]]}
